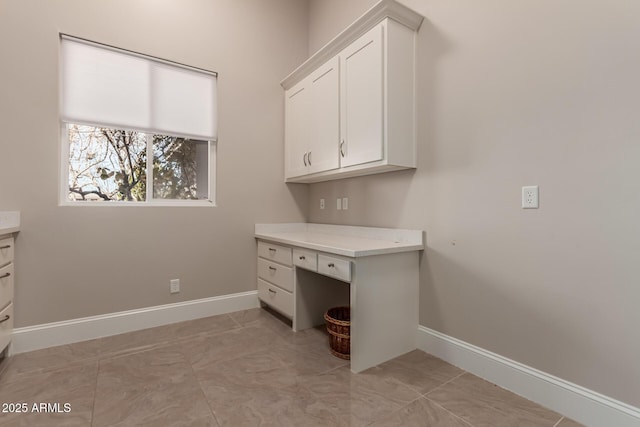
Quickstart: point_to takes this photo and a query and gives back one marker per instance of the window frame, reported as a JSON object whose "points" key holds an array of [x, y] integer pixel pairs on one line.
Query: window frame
{"points": [[64, 179]]}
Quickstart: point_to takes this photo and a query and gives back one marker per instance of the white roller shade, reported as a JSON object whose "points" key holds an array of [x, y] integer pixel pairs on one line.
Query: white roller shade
{"points": [[110, 87]]}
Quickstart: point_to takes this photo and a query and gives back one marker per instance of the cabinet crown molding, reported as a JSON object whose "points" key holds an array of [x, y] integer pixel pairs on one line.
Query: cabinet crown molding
{"points": [[380, 11]]}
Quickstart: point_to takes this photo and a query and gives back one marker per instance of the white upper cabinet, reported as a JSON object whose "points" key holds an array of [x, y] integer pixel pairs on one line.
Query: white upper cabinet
{"points": [[350, 108], [312, 133], [325, 116], [362, 99], [296, 132]]}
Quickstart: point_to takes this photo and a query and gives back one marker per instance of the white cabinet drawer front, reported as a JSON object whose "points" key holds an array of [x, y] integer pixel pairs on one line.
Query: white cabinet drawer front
{"points": [[276, 297], [305, 259], [6, 285], [276, 274], [6, 326], [6, 251], [275, 253], [334, 267]]}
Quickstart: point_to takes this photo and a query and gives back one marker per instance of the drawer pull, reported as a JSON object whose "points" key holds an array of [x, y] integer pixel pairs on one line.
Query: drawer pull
{"points": [[6, 317], [272, 291], [5, 275], [331, 265], [5, 247], [272, 249], [272, 268], [302, 258]]}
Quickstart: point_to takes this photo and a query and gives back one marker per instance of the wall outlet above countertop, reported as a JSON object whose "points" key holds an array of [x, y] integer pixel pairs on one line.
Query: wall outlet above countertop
{"points": [[9, 222]]}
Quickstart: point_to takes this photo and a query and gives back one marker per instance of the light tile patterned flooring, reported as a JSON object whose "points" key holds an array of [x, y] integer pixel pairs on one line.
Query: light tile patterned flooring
{"points": [[247, 369]]}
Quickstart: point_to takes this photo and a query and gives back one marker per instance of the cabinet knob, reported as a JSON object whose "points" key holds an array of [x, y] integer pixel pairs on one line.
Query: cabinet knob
{"points": [[5, 275], [5, 318], [341, 148], [271, 291], [304, 159], [272, 250], [5, 247], [302, 257], [272, 268], [309, 158], [331, 265]]}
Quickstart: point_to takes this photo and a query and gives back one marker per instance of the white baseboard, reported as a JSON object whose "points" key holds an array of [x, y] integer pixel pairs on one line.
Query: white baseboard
{"points": [[87, 328], [583, 405]]}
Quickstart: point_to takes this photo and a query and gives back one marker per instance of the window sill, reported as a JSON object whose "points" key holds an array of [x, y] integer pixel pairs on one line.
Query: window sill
{"points": [[155, 204]]}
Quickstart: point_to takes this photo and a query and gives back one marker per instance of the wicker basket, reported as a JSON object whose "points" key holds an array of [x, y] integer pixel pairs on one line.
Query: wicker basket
{"points": [[339, 325]]}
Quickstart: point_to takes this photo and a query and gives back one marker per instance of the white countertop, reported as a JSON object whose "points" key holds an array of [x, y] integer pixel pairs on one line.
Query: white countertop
{"points": [[342, 239], [9, 222]]}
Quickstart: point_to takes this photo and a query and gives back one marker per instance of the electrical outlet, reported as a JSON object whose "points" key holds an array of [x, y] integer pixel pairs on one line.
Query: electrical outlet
{"points": [[530, 197], [345, 203], [321, 203], [339, 204], [174, 286]]}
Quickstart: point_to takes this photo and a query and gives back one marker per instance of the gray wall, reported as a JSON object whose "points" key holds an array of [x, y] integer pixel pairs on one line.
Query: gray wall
{"points": [[533, 92], [74, 262], [509, 94]]}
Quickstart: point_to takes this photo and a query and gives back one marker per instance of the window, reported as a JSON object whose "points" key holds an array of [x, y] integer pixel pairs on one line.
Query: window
{"points": [[108, 164], [136, 129]]}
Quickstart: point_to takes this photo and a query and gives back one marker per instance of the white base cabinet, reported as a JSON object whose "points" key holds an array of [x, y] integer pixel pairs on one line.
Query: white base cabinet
{"points": [[275, 277], [6, 290], [309, 274], [350, 109]]}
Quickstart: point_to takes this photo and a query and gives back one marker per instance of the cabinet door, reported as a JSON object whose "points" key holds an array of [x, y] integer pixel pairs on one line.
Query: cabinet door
{"points": [[6, 326], [296, 133], [362, 99], [325, 117]]}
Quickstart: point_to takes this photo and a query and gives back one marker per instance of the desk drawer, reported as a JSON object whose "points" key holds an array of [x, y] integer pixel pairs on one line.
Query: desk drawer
{"points": [[334, 267], [275, 253], [6, 285], [276, 274], [305, 259], [6, 251], [6, 326], [276, 297]]}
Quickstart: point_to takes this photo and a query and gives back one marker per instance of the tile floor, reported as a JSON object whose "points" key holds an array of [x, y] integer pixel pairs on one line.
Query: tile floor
{"points": [[244, 369]]}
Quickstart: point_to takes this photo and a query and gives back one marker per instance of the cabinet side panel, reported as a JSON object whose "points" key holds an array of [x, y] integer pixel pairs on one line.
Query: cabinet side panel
{"points": [[384, 308], [400, 95]]}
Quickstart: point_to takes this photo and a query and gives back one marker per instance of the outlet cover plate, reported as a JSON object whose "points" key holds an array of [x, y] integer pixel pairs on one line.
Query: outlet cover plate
{"points": [[174, 286], [530, 197]]}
